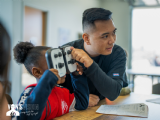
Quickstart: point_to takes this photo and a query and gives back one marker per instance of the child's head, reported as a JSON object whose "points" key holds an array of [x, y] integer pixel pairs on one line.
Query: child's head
{"points": [[33, 57]]}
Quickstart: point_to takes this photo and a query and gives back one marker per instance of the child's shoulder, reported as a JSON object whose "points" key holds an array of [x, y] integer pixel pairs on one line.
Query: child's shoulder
{"points": [[27, 91]]}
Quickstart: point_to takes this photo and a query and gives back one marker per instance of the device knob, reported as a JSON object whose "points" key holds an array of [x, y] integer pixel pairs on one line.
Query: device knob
{"points": [[72, 61], [59, 54], [69, 52], [55, 55], [60, 65]]}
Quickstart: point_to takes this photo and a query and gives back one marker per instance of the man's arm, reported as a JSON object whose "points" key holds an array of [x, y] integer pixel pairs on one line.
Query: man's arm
{"points": [[108, 85], [81, 91]]}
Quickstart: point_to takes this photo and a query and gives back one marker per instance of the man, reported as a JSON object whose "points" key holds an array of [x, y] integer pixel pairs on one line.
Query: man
{"points": [[104, 62]]}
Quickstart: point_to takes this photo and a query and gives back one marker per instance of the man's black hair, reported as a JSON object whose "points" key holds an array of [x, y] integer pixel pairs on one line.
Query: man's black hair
{"points": [[28, 54], [92, 14]]}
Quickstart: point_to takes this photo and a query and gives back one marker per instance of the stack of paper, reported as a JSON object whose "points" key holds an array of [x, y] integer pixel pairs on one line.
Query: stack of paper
{"points": [[139, 109], [157, 100]]}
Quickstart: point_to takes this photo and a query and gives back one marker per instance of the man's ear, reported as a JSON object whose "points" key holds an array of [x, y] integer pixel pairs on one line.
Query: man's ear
{"points": [[86, 39], [36, 72]]}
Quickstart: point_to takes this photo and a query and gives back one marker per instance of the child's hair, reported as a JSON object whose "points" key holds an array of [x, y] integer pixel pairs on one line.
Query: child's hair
{"points": [[28, 54]]}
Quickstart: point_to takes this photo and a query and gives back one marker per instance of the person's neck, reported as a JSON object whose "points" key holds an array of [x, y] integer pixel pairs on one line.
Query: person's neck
{"points": [[90, 51]]}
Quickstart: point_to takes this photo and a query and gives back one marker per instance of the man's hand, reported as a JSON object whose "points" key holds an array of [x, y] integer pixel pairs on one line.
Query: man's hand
{"points": [[81, 56], [93, 100], [60, 79]]}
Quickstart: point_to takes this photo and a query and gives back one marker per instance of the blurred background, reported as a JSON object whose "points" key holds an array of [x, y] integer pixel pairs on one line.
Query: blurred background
{"points": [[56, 22]]}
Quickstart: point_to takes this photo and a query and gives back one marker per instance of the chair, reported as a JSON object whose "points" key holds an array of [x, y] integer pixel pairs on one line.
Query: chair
{"points": [[156, 89]]}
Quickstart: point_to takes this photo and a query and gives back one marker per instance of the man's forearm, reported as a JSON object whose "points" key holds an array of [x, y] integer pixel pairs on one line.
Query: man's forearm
{"points": [[106, 86], [81, 91]]}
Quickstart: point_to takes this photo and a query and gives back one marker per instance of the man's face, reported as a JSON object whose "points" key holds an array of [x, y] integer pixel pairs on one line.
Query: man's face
{"points": [[103, 37]]}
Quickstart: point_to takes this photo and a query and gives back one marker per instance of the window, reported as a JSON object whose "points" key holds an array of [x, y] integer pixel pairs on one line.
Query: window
{"points": [[146, 37]]}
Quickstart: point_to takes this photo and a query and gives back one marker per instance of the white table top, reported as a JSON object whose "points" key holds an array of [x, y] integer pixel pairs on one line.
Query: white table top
{"points": [[153, 71]]}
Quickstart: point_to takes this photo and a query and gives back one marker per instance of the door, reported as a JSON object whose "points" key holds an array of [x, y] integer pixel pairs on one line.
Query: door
{"points": [[34, 32]]}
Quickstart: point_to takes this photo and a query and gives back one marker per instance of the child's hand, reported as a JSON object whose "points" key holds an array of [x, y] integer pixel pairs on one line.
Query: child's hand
{"points": [[79, 69], [60, 79]]}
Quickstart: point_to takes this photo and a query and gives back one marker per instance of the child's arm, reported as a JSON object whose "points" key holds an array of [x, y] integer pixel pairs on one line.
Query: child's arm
{"points": [[39, 96], [81, 91]]}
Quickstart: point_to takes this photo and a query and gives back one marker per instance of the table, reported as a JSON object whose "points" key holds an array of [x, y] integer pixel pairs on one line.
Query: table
{"points": [[90, 113], [149, 71]]}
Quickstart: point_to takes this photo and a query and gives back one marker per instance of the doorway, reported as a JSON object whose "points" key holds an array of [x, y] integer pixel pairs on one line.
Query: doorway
{"points": [[34, 32]]}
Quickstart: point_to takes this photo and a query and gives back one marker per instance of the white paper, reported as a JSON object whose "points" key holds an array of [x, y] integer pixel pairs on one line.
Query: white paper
{"points": [[139, 109], [157, 100]]}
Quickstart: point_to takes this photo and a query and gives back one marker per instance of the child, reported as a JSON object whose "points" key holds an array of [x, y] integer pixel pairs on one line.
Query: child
{"points": [[52, 100]]}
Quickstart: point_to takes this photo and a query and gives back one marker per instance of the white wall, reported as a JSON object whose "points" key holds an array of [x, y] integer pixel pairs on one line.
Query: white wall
{"points": [[65, 14], [122, 19], [6, 14], [17, 32]]}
